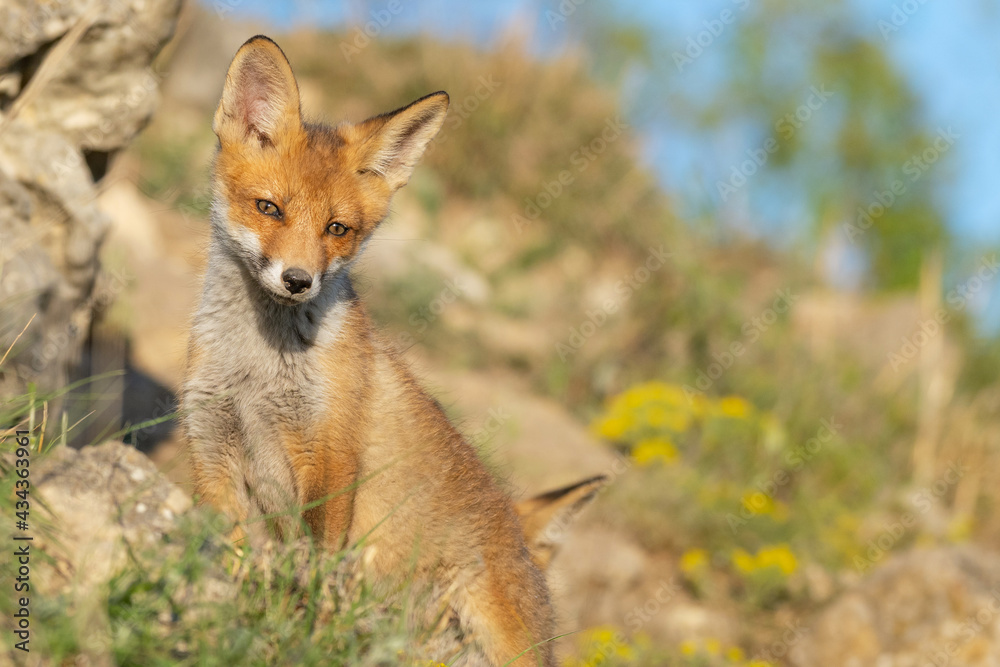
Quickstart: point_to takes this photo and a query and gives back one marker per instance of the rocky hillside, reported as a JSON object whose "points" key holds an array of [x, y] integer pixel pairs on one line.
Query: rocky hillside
{"points": [[762, 442]]}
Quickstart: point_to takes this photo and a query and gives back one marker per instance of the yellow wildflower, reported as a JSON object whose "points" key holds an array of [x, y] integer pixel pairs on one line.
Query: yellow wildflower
{"points": [[744, 562], [613, 427], [689, 647], [653, 450], [779, 556], [653, 392], [669, 393], [758, 503], [658, 417], [699, 405], [734, 407], [713, 646], [693, 560], [602, 635], [635, 398], [735, 654], [960, 529], [624, 651]]}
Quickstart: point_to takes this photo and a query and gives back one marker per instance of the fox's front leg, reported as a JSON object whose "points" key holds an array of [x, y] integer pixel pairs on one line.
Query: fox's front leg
{"points": [[326, 473], [213, 448], [213, 472]]}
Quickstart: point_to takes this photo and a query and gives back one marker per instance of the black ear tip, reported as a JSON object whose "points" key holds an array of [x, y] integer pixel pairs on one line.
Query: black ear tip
{"points": [[596, 481], [439, 97], [264, 38]]}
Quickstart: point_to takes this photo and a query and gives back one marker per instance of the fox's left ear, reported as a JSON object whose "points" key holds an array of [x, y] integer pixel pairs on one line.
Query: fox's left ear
{"points": [[260, 100], [391, 144], [545, 518]]}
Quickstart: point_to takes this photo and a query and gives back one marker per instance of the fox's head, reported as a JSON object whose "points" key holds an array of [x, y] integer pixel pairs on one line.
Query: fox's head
{"points": [[295, 201]]}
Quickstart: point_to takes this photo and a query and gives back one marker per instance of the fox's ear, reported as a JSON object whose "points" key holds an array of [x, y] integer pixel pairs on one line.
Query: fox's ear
{"points": [[545, 518], [391, 144], [260, 99]]}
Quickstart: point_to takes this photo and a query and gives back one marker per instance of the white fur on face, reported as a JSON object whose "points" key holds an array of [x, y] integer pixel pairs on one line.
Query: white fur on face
{"points": [[246, 240], [335, 266], [271, 278]]}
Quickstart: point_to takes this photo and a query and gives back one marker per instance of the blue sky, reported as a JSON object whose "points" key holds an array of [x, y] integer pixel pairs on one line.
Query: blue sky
{"points": [[948, 52]]}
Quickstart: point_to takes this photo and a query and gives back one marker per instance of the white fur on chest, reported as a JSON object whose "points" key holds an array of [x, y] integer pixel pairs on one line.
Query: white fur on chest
{"points": [[264, 358]]}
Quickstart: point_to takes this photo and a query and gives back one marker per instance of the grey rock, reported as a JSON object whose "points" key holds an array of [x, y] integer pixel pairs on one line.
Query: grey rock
{"points": [[60, 119], [924, 607], [104, 500]]}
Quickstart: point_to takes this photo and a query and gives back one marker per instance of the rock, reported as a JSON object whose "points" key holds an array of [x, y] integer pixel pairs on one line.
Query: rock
{"points": [[52, 251], [75, 86], [603, 575], [104, 501], [104, 505], [104, 91], [925, 607]]}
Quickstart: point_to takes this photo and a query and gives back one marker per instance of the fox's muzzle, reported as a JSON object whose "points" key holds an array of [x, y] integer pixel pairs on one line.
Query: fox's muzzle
{"points": [[296, 280]]}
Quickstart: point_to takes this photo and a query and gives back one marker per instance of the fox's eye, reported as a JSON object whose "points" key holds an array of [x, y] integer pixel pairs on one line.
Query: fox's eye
{"points": [[337, 228], [268, 208]]}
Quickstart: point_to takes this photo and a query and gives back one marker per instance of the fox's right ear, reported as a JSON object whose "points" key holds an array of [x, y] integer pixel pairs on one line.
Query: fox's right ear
{"points": [[260, 100]]}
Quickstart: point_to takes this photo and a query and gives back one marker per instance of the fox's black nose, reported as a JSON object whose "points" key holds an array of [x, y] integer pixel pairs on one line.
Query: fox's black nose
{"points": [[296, 280]]}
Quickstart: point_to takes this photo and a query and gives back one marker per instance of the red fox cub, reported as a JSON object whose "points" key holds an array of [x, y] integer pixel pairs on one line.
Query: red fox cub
{"points": [[298, 413]]}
